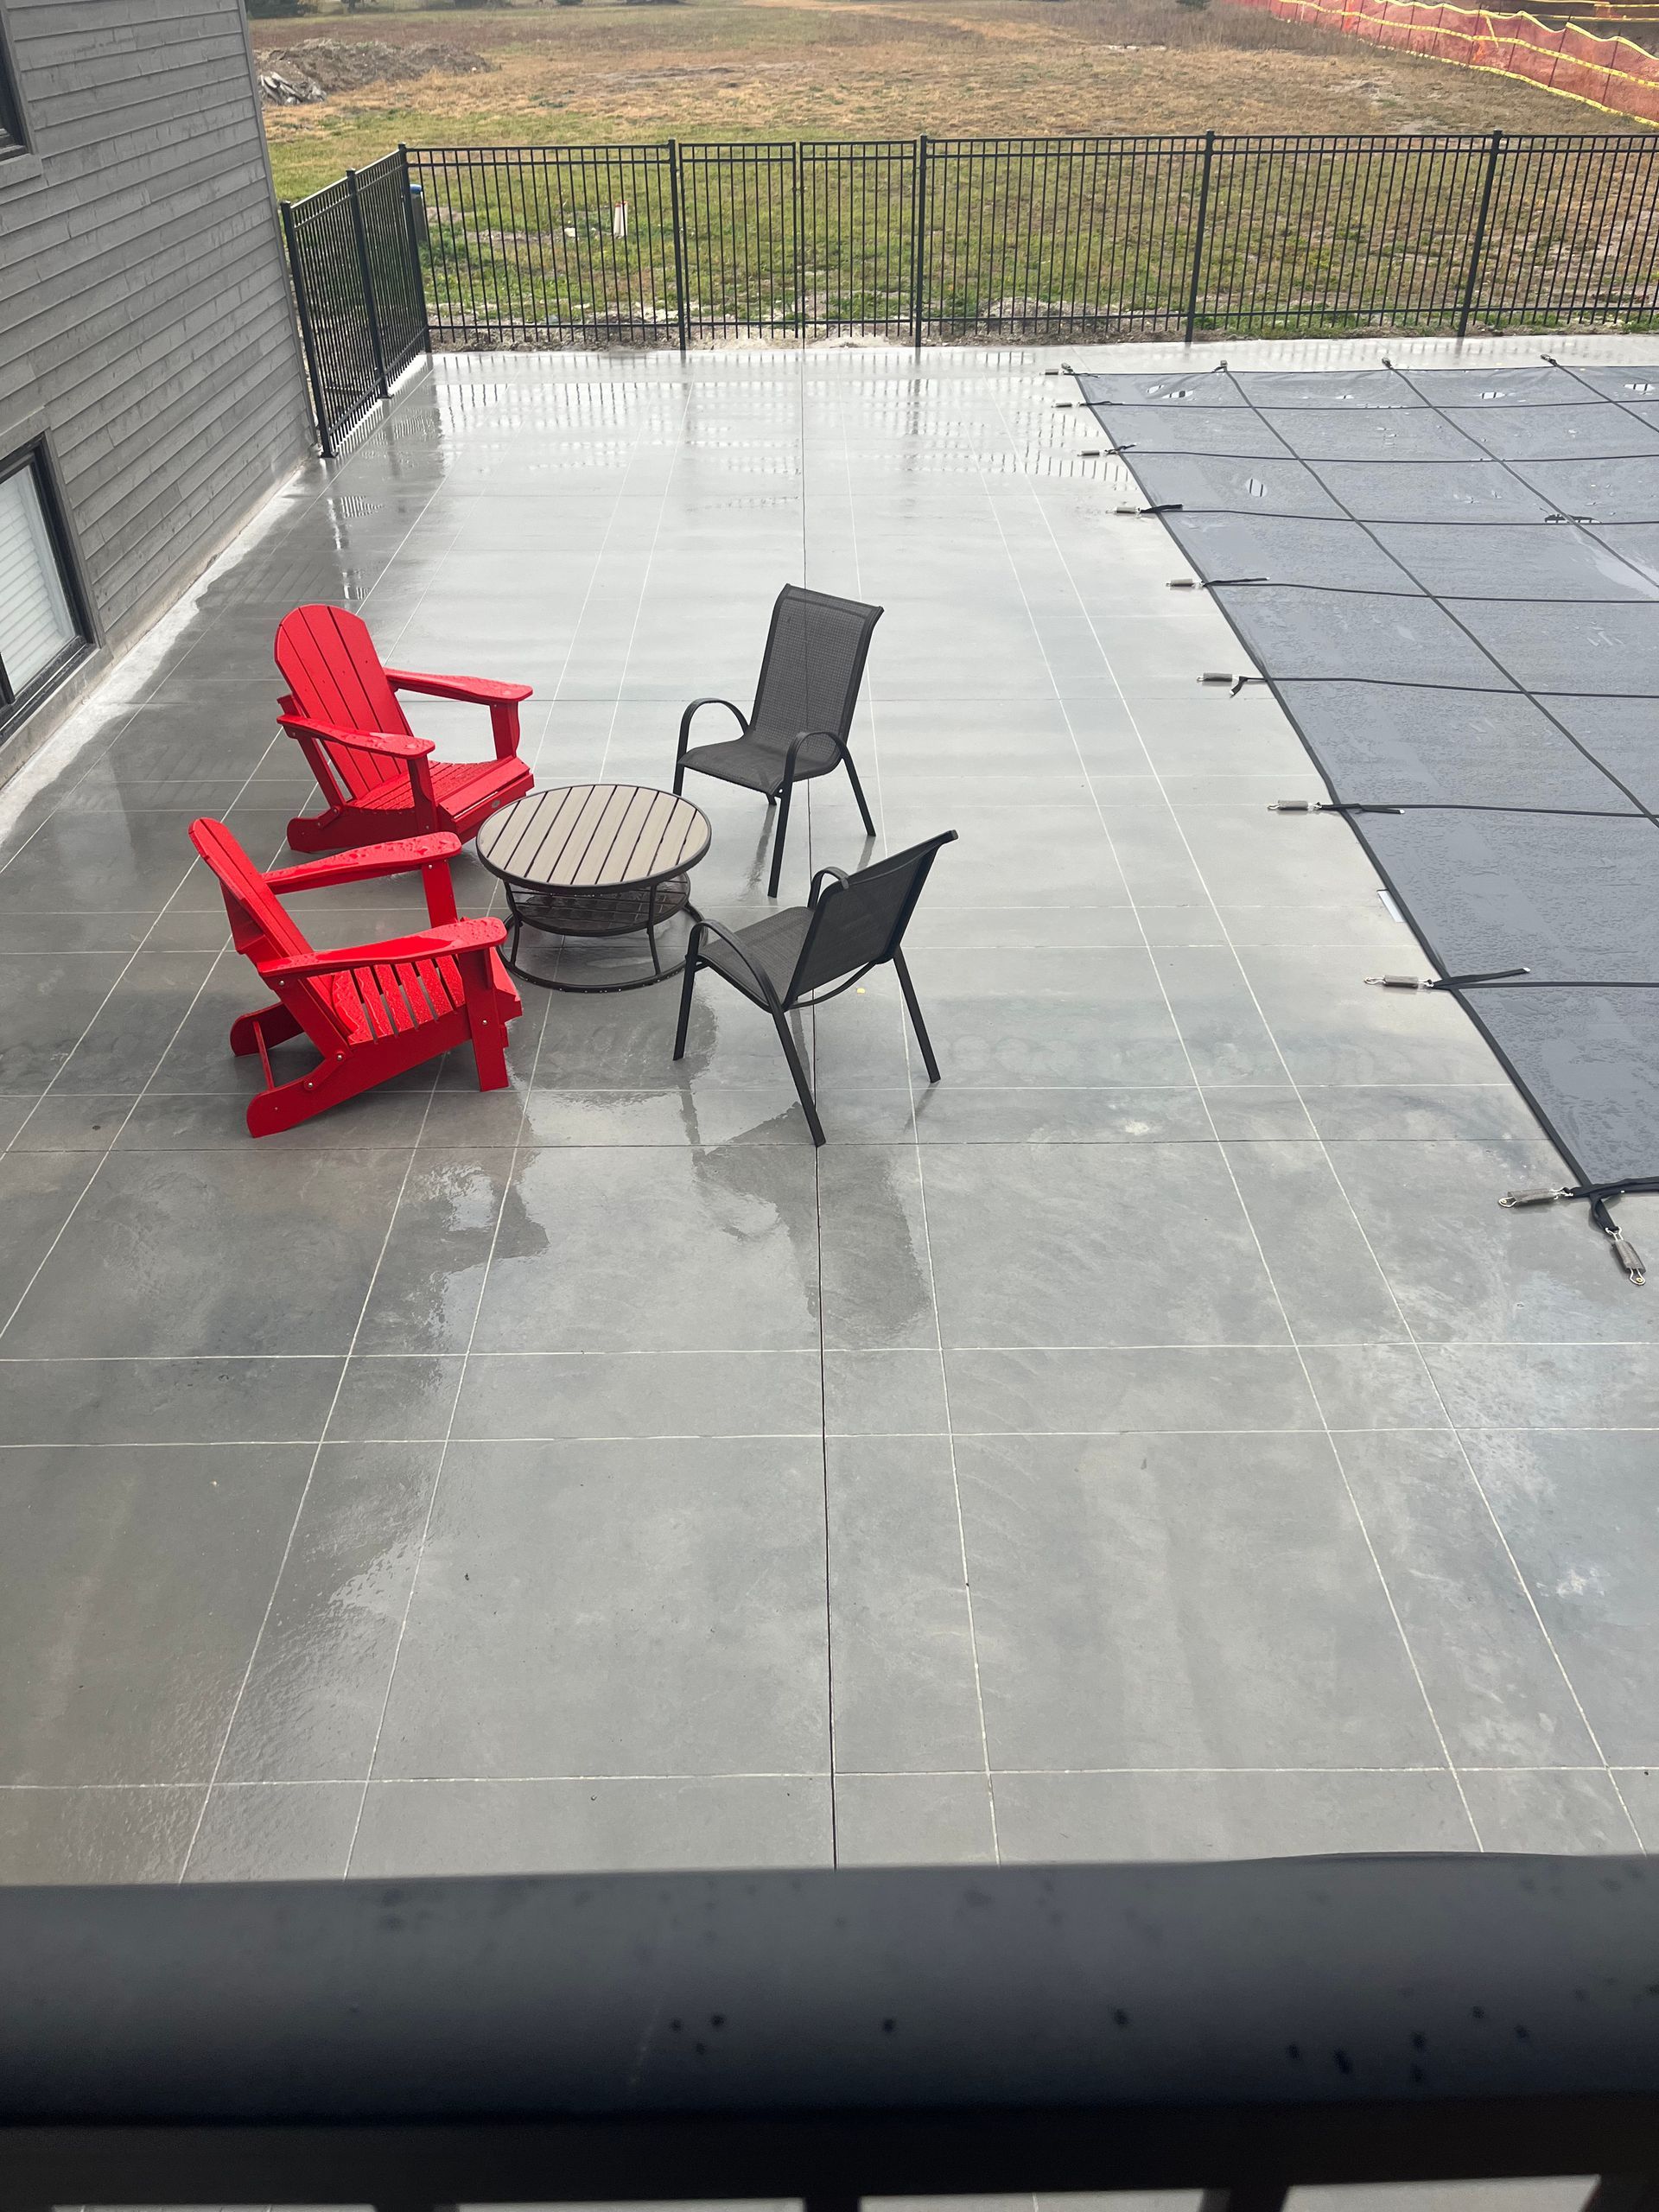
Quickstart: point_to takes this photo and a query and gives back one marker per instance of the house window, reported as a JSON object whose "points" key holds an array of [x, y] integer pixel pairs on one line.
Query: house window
{"points": [[12, 140], [42, 629]]}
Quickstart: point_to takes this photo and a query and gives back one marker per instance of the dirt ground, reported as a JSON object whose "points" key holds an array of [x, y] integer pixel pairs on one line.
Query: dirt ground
{"points": [[713, 69]]}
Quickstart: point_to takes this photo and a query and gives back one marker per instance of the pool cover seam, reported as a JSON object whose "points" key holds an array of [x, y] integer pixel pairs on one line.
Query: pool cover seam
{"points": [[1384, 460]]}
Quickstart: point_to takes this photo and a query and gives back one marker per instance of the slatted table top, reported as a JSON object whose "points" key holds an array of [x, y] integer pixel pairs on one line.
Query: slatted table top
{"points": [[594, 837]]}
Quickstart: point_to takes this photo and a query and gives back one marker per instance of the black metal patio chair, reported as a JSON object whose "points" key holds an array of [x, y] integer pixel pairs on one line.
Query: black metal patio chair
{"points": [[805, 955], [803, 711]]}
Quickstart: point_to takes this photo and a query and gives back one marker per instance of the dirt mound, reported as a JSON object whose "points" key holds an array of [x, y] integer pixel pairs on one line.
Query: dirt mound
{"points": [[313, 68]]}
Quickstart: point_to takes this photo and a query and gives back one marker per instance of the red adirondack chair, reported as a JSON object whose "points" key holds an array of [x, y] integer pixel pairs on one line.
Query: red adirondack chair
{"points": [[371, 1010], [377, 776]]}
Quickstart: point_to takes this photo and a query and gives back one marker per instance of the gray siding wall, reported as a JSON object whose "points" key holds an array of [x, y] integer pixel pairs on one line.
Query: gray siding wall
{"points": [[145, 322]]}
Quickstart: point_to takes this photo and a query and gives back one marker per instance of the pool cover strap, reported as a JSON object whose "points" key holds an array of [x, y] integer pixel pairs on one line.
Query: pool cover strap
{"points": [[1473, 669], [1444, 982], [1598, 1194]]}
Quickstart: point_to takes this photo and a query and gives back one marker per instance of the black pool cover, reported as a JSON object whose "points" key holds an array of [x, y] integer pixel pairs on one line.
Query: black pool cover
{"points": [[1449, 579]]}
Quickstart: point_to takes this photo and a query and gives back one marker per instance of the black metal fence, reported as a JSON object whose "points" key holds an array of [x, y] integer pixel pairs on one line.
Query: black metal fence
{"points": [[934, 239], [355, 260], [834, 2037]]}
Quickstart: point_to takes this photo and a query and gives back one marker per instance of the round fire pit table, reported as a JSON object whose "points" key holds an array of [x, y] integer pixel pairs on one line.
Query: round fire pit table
{"points": [[595, 860]]}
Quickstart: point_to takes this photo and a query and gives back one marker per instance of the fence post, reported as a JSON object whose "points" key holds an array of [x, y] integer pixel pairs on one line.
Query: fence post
{"points": [[308, 336], [414, 248], [1493, 151], [679, 244], [800, 244], [1198, 242], [918, 247], [368, 283]]}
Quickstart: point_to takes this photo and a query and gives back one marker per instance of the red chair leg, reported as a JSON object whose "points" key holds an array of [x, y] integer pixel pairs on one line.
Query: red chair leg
{"points": [[486, 1022], [317, 833], [287, 1104], [274, 1024]]}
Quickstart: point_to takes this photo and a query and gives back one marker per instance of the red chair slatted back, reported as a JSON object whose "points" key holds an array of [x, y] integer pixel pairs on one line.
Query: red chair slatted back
{"points": [[328, 661], [260, 925]]}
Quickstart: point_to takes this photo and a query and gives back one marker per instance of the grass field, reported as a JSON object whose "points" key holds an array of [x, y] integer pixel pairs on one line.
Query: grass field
{"points": [[746, 69]]}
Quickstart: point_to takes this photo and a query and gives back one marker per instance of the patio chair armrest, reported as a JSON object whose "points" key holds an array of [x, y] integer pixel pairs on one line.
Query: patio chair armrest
{"points": [[472, 690], [451, 937], [805, 737], [703, 928], [839, 873], [503, 700], [394, 748], [396, 858], [685, 719]]}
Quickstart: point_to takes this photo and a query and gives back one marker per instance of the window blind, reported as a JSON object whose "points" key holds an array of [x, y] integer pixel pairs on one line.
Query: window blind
{"points": [[36, 622]]}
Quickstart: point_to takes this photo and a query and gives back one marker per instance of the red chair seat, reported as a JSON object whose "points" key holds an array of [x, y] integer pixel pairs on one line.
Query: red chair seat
{"points": [[388, 1002], [461, 788]]}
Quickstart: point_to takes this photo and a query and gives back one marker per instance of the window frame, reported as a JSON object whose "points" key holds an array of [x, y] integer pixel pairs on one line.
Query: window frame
{"points": [[14, 121], [16, 705]]}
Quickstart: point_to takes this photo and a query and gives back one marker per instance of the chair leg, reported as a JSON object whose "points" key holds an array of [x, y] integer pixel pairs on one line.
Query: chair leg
{"points": [[916, 1021], [778, 834], [803, 1089], [858, 793], [691, 965], [275, 1023], [317, 833], [489, 1051], [487, 1027], [286, 1104], [679, 778]]}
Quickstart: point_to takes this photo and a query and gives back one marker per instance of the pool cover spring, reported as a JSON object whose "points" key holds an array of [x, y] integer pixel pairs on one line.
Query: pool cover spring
{"points": [[1449, 579]]}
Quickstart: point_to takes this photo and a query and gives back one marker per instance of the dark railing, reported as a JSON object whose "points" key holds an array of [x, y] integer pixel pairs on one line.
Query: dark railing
{"points": [[829, 2037], [353, 253], [936, 239]]}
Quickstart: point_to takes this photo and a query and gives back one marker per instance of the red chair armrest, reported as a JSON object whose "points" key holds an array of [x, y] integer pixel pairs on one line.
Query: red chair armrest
{"points": [[392, 952], [396, 858], [480, 690], [365, 741], [501, 699]]}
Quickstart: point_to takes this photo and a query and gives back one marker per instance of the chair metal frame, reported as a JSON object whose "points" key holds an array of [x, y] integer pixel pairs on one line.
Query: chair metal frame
{"points": [[828, 885], [791, 772]]}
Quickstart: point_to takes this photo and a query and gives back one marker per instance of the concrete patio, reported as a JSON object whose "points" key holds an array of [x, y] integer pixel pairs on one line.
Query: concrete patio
{"points": [[1155, 1441]]}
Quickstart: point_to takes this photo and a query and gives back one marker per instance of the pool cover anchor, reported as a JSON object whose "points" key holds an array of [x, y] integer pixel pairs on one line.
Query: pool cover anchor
{"points": [[1598, 1195]]}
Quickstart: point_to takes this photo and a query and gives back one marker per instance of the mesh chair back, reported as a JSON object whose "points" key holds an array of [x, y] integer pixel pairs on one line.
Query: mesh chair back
{"points": [[861, 923], [814, 665]]}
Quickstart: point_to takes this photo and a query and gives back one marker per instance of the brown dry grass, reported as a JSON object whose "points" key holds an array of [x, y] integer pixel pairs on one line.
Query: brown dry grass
{"points": [[881, 68]]}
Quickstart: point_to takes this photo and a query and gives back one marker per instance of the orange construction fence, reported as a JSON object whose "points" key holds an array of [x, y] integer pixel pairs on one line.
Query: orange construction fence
{"points": [[1608, 72]]}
